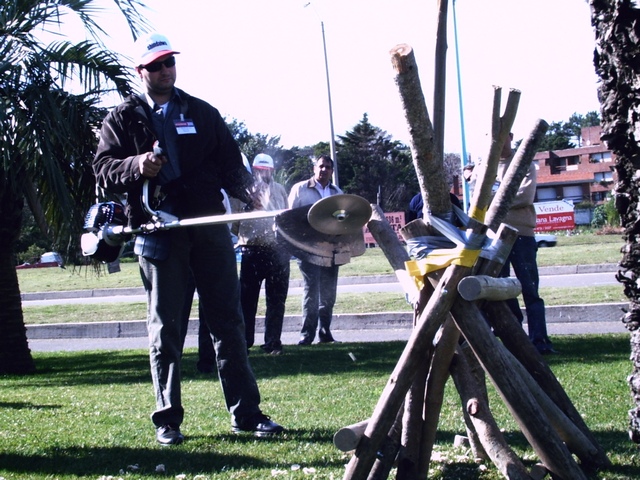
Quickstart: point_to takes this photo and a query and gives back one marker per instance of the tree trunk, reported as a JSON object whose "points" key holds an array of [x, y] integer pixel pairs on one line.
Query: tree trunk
{"points": [[615, 60], [15, 356]]}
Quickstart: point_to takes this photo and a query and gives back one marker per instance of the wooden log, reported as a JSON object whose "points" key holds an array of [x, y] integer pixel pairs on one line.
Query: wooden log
{"points": [[412, 422], [347, 438], [486, 171], [434, 394], [480, 392], [434, 313], [477, 408], [412, 418], [393, 250], [429, 168], [479, 287], [440, 80], [525, 410], [508, 329], [514, 175], [573, 438], [388, 452], [415, 228]]}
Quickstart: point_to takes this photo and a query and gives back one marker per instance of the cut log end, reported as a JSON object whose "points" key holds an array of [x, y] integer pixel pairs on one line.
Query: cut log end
{"points": [[402, 58], [539, 472], [473, 407], [402, 50]]}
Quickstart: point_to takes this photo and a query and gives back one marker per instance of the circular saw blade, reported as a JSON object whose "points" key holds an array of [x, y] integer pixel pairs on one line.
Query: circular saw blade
{"points": [[339, 214]]}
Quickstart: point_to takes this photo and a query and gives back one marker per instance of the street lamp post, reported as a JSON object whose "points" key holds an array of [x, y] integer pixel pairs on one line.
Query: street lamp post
{"points": [[464, 159], [332, 143]]}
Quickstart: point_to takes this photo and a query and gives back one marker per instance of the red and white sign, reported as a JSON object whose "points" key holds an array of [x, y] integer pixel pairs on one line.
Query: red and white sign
{"points": [[397, 221], [557, 215]]}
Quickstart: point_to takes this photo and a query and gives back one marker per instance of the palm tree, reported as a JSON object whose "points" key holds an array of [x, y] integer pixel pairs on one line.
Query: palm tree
{"points": [[616, 62], [48, 136]]}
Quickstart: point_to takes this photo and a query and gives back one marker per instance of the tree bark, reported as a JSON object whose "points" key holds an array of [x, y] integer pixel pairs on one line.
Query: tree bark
{"points": [[487, 170], [393, 250], [615, 59], [514, 175], [525, 410], [440, 80], [483, 422], [490, 288], [15, 355], [429, 169]]}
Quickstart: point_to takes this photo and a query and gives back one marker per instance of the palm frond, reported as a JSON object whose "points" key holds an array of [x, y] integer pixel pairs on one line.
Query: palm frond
{"points": [[90, 64]]}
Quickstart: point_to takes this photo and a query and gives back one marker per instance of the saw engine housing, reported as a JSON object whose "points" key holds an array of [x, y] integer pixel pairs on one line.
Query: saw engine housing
{"points": [[99, 215]]}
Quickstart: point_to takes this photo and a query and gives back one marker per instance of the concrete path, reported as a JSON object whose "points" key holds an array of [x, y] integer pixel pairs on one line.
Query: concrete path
{"points": [[561, 320]]}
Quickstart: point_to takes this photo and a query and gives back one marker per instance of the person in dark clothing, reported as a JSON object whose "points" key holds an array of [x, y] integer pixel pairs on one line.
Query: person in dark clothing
{"points": [[523, 256], [206, 351], [416, 206], [199, 157]]}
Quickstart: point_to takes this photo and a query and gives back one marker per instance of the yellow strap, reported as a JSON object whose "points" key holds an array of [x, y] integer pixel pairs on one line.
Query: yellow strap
{"points": [[478, 213], [439, 259]]}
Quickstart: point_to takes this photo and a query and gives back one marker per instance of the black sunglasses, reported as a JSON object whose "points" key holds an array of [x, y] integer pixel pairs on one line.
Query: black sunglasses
{"points": [[157, 66]]}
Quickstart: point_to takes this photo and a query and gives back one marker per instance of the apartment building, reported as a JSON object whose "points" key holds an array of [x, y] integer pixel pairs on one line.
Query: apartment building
{"points": [[582, 174]]}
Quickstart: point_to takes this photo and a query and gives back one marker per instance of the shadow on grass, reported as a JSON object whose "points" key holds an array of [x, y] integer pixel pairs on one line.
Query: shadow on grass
{"points": [[94, 462], [589, 349], [132, 366], [201, 453]]}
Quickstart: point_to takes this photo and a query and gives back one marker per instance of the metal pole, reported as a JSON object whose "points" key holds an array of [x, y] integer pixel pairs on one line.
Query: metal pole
{"points": [[465, 185], [332, 143]]}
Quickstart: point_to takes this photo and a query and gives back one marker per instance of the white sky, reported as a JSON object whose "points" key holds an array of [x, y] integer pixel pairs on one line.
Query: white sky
{"points": [[262, 62]]}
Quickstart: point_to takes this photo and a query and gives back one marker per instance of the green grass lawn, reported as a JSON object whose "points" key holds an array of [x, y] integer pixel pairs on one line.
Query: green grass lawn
{"points": [[346, 303], [85, 415], [571, 250]]}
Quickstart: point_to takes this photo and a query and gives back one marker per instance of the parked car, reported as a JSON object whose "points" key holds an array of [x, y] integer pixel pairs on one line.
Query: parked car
{"points": [[49, 259], [546, 240]]}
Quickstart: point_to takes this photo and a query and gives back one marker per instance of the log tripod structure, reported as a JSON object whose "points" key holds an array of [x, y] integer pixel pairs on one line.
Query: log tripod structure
{"points": [[464, 330]]}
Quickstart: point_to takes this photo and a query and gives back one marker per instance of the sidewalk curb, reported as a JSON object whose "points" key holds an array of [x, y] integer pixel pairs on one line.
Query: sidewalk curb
{"points": [[561, 314]]}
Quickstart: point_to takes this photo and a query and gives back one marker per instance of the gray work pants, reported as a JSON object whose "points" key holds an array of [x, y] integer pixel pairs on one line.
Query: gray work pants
{"points": [[206, 251]]}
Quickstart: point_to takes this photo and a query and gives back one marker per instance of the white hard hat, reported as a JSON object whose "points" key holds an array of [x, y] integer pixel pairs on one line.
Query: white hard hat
{"points": [[263, 160]]}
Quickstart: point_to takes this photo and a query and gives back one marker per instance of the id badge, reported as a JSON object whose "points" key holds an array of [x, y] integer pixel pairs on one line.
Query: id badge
{"points": [[185, 127]]}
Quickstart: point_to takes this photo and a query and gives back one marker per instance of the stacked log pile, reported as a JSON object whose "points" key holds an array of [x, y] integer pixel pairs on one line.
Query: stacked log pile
{"points": [[462, 327]]}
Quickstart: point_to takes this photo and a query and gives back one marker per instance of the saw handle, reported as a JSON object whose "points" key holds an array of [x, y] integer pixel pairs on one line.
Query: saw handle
{"points": [[158, 151]]}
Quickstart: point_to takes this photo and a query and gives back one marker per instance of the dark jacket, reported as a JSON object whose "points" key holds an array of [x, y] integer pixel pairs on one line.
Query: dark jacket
{"points": [[209, 159]]}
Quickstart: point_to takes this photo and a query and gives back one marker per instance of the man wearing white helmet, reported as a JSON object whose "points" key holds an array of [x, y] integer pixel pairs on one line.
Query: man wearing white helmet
{"points": [[263, 260], [198, 158]]}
